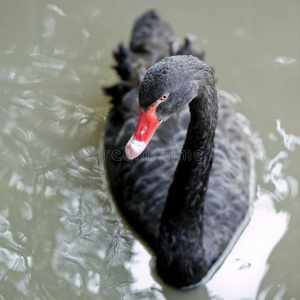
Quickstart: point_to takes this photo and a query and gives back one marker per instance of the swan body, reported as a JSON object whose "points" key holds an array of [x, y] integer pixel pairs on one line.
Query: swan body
{"points": [[188, 191]]}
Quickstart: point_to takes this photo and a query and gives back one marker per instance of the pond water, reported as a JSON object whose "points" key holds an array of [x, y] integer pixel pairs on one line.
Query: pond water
{"points": [[61, 236]]}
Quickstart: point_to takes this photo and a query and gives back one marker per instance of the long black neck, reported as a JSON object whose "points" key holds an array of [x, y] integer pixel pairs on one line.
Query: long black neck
{"points": [[181, 223]]}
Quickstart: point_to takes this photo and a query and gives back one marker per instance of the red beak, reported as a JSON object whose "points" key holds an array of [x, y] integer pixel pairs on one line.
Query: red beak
{"points": [[146, 126]]}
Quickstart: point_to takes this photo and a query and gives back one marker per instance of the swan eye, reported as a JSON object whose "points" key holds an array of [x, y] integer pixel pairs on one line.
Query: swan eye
{"points": [[164, 97]]}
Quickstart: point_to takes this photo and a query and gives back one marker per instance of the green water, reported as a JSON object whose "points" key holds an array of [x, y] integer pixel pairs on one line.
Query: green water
{"points": [[60, 234]]}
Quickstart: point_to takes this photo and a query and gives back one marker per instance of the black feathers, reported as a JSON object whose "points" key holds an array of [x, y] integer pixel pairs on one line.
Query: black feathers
{"points": [[187, 209]]}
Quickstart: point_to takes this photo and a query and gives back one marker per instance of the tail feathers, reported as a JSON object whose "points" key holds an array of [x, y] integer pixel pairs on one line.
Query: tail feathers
{"points": [[151, 35]]}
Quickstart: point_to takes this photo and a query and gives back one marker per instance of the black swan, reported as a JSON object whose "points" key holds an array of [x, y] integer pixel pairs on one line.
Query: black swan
{"points": [[188, 192]]}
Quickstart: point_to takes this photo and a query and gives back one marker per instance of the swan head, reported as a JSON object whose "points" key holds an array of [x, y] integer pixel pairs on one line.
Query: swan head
{"points": [[166, 88]]}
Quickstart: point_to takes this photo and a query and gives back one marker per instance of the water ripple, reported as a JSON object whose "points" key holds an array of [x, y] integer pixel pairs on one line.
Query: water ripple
{"points": [[286, 61], [61, 236], [56, 9], [290, 140]]}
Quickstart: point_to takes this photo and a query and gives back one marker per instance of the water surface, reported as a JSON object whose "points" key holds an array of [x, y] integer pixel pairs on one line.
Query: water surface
{"points": [[61, 236]]}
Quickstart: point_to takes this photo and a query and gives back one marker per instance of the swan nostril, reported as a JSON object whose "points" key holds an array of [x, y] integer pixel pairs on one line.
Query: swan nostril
{"points": [[144, 130]]}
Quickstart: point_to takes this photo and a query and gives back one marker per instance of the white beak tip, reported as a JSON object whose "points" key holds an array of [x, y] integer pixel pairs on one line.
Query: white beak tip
{"points": [[134, 148], [128, 153]]}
